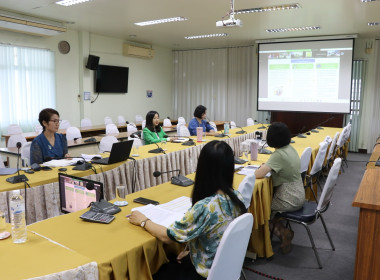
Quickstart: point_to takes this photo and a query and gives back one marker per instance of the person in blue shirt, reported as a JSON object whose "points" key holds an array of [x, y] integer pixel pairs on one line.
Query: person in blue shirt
{"points": [[49, 144], [199, 120]]}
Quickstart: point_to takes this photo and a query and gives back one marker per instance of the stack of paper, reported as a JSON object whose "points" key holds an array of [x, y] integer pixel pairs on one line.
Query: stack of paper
{"points": [[166, 214]]}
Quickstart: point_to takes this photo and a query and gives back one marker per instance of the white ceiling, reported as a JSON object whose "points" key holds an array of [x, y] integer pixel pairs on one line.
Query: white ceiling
{"points": [[115, 18]]}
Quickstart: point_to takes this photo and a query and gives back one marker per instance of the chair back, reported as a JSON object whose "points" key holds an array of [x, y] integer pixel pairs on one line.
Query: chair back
{"points": [[305, 160], [328, 139], [250, 122], [38, 129], [106, 143], [320, 158], [231, 250], [13, 139], [341, 141], [184, 131], [85, 122], [131, 128], [25, 154], [143, 123], [107, 120], [246, 189], [181, 120], [120, 119], [1, 162], [167, 122], [111, 128], [14, 129], [327, 192], [139, 119], [332, 146], [73, 132], [233, 124], [65, 124], [213, 125]]}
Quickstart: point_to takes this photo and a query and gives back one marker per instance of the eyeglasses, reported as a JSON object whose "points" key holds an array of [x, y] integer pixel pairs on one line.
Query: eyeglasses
{"points": [[56, 121]]}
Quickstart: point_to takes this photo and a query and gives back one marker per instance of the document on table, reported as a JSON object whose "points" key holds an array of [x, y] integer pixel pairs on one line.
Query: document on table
{"points": [[61, 162], [165, 214], [250, 169]]}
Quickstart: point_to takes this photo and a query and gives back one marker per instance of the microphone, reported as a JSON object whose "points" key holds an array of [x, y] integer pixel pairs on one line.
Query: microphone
{"points": [[157, 151], [242, 131], [319, 125], [300, 135], [18, 178], [262, 126], [178, 180], [264, 151], [76, 138]]}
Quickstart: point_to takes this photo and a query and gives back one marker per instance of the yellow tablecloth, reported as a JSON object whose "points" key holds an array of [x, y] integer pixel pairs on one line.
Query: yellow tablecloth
{"points": [[37, 257]]}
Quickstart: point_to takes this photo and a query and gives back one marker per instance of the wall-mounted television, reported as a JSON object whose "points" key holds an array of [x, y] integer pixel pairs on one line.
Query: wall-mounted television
{"points": [[111, 79]]}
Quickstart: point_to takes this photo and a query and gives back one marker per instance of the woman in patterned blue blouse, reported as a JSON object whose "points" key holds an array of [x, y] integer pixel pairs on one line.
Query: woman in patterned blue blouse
{"points": [[49, 144], [214, 205]]}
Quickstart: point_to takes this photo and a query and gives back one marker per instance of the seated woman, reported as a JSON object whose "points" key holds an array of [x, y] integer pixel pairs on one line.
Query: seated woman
{"points": [[214, 205], [153, 132], [199, 120], [49, 144], [288, 189]]}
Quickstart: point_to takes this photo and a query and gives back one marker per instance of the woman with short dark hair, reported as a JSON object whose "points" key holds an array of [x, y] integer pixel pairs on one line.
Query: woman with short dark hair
{"points": [[214, 205], [199, 120], [49, 144], [284, 165]]}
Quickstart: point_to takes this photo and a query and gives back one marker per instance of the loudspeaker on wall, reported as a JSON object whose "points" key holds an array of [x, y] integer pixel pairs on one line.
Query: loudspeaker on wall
{"points": [[92, 62]]}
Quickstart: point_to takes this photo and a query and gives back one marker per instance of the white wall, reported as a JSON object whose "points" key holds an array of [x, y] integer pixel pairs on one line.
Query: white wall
{"points": [[72, 78]]}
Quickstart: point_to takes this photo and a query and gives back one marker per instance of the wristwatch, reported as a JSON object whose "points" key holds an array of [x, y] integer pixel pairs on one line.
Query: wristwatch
{"points": [[143, 223]]}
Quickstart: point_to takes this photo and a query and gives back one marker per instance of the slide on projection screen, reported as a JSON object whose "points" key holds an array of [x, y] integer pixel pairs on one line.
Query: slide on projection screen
{"points": [[307, 76]]}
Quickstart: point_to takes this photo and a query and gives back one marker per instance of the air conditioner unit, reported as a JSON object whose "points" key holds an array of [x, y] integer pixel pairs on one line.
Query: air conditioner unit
{"points": [[135, 51], [30, 25]]}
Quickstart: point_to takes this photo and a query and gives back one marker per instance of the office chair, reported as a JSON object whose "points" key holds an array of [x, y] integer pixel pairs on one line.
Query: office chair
{"points": [[111, 128], [311, 212], [73, 132], [229, 257]]}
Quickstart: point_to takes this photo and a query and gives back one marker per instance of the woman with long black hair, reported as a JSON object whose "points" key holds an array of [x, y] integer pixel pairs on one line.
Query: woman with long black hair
{"points": [[214, 205]]}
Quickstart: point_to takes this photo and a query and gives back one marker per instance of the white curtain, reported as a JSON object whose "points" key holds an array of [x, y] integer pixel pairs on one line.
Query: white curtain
{"points": [[240, 84], [200, 78], [373, 102], [27, 85]]}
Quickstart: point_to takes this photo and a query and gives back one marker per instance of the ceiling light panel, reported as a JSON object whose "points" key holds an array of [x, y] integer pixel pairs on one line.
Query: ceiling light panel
{"points": [[293, 29], [269, 8], [158, 21], [206, 36], [71, 2], [365, 1], [373, 23]]}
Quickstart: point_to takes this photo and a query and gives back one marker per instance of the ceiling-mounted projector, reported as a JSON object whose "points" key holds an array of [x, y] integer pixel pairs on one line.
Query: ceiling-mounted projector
{"points": [[231, 22]]}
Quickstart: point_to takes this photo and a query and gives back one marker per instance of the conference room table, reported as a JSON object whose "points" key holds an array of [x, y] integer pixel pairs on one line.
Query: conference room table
{"points": [[43, 198]]}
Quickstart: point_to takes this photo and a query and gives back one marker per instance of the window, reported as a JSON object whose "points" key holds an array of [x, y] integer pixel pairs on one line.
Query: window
{"points": [[27, 85]]}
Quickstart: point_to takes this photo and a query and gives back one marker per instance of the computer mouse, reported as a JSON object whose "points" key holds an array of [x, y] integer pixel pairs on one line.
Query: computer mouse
{"points": [[62, 169], [29, 171], [80, 161], [96, 157]]}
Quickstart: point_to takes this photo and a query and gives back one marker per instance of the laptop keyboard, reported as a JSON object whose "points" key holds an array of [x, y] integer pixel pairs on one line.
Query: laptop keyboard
{"points": [[101, 161]]}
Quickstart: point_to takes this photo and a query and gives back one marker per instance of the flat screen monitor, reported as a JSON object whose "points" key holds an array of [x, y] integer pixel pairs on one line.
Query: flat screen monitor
{"points": [[77, 193], [111, 79], [305, 76]]}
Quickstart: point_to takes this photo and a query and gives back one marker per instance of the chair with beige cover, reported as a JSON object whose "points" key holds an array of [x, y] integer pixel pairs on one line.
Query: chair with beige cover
{"points": [[106, 143], [13, 139], [108, 120], [111, 128], [14, 129], [65, 124], [73, 132], [250, 122], [167, 122], [120, 119], [85, 122]]}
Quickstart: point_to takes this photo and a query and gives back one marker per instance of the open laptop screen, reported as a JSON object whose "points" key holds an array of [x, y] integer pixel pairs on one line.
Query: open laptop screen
{"points": [[77, 193]]}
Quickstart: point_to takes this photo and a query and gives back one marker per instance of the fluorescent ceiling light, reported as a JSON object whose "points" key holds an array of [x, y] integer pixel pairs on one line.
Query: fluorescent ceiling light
{"points": [[158, 21], [373, 23], [293, 29], [206, 36], [269, 8], [365, 1], [70, 2]]}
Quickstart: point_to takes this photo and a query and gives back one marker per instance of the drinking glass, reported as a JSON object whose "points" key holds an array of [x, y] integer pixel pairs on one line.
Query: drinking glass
{"points": [[135, 150], [3, 232], [121, 192]]}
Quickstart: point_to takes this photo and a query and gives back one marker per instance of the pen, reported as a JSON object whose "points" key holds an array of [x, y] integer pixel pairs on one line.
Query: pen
{"points": [[128, 216]]}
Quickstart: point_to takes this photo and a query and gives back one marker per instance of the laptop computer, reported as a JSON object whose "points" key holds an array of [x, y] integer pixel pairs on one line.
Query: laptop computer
{"points": [[120, 151]]}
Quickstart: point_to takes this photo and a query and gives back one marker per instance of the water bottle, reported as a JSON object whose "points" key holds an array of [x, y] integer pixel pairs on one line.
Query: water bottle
{"points": [[17, 207], [199, 134], [226, 128]]}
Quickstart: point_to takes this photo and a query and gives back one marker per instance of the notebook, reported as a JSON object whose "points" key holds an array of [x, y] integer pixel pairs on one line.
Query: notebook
{"points": [[120, 151]]}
